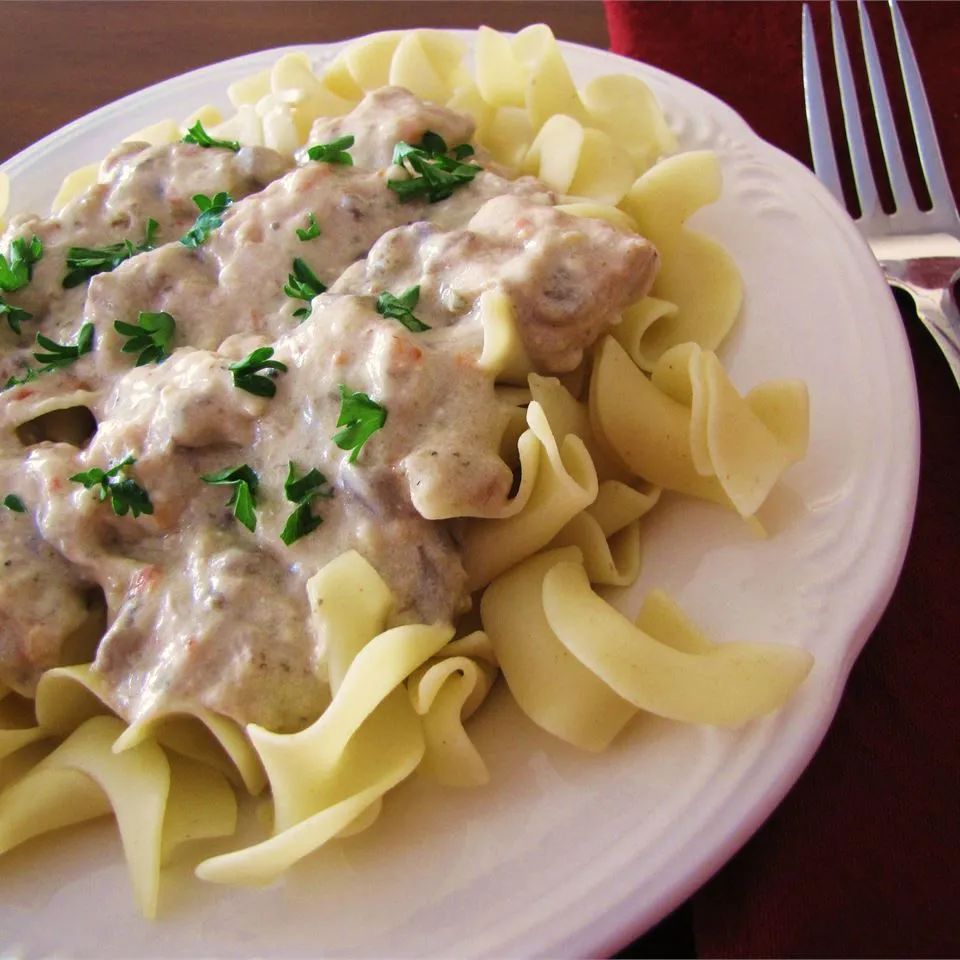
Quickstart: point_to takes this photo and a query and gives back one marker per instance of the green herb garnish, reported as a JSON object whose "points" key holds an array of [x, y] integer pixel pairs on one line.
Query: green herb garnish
{"points": [[12, 502], [29, 375], [246, 372], [333, 152], [303, 284], [61, 355], [438, 173], [150, 337], [401, 308], [244, 497], [299, 524], [302, 492], [211, 217], [308, 486], [16, 271], [311, 231], [360, 418], [58, 355], [86, 262], [15, 316], [196, 134], [126, 495]]}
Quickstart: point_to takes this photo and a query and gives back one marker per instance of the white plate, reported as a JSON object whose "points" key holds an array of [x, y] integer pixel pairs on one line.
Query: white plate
{"points": [[566, 853]]}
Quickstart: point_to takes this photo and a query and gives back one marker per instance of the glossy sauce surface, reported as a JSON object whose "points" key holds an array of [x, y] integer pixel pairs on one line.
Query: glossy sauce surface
{"points": [[200, 610]]}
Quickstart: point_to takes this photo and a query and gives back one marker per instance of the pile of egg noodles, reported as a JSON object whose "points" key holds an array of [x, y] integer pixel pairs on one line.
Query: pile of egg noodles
{"points": [[652, 410]]}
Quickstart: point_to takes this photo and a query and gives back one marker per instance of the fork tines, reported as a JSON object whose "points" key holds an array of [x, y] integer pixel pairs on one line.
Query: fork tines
{"points": [[908, 216]]}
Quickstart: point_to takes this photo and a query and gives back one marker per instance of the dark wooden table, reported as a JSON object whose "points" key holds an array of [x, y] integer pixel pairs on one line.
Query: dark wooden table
{"points": [[94, 52], [61, 60]]}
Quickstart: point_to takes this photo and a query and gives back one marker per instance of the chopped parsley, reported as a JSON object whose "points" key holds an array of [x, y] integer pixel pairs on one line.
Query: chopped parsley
{"points": [[307, 486], [311, 231], [244, 497], [401, 308], [196, 134], [61, 355], [29, 375], [333, 152], [126, 495], [16, 273], [301, 492], [16, 269], [303, 284], [437, 173], [15, 316], [58, 355], [299, 524], [247, 376], [150, 337], [360, 418], [86, 262], [211, 217], [12, 502]]}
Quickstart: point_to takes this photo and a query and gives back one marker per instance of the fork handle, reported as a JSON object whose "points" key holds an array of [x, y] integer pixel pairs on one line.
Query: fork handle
{"points": [[937, 310]]}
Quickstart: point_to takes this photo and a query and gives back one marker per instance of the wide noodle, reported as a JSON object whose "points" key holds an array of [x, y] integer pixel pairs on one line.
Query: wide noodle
{"points": [[650, 408]]}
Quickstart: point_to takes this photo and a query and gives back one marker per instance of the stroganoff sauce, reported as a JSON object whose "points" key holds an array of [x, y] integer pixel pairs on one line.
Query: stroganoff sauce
{"points": [[200, 610]]}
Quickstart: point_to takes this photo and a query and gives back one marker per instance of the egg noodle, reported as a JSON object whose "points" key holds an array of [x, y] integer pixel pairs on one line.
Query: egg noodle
{"points": [[651, 408]]}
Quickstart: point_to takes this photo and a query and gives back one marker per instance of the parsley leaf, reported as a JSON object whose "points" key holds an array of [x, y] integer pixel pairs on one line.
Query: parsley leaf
{"points": [[86, 262], [58, 355], [61, 355], [307, 487], [303, 284], [29, 375], [299, 524], [311, 231], [302, 521], [360, 418], [244, 497], [401, 308], [17, 271], [12, 502], [246, 372], [438, 174], [126, 495], [196, 134], [333, 152], [211, 217], [150, 337], [15, 316]]}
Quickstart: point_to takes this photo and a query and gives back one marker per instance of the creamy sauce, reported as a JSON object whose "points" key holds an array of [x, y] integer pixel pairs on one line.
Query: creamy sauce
{"points": [[137, 182], [200, 610]]}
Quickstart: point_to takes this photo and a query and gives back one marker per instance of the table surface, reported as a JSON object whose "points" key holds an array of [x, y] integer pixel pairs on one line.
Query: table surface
{"points": [[96, 52]]}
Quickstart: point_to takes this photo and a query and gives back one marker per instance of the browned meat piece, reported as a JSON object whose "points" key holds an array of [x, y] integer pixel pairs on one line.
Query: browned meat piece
{"points": [[568, 277], [387, 116], [214, 641], [417, 558], [42, 600]]}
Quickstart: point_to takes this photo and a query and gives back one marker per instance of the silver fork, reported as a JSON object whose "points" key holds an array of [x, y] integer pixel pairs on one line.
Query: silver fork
{"points": [[919, 250]]}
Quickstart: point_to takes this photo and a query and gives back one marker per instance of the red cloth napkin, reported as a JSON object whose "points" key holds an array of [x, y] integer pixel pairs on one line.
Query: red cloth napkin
{"points": [[863, 857]]}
